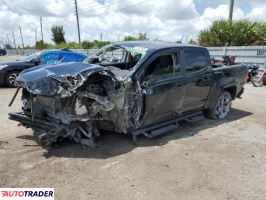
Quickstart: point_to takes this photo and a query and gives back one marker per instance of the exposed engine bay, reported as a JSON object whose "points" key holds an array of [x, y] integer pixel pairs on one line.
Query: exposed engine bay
{"points": [[76, 104]]}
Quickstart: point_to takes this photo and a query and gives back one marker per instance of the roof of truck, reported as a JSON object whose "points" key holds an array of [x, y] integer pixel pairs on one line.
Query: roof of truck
{"points": [[152, 44]]}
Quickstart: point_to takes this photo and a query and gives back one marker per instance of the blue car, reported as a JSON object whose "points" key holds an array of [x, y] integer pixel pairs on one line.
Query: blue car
{"points": [[10, 70]]}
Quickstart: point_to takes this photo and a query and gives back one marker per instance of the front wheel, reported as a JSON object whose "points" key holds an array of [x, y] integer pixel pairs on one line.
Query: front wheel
{"points": [[11, 78], [222, 107], [257, 81]]}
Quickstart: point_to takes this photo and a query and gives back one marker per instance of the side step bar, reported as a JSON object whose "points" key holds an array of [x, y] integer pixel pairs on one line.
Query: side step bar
{"points": [[165, 127]]}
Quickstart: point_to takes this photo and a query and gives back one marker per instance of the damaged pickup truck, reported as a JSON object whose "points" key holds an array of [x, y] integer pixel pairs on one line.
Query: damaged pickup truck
{"points": [[136, 88]]}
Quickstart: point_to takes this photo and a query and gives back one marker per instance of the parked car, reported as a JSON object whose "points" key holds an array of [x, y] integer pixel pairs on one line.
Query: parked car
{"points": [[135, 88], [2, 52], [10, 70]]}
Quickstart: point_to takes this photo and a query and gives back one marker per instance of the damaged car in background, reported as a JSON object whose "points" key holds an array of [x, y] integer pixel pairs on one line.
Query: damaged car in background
{"points": [[136, 88]]}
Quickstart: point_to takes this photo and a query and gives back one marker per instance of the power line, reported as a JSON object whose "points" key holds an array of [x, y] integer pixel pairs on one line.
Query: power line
{"points": [[105, 5], [77, 15], [123, 8]]}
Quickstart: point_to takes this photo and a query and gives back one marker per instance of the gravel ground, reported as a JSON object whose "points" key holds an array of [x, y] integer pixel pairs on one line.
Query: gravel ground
{"points": [[204, 160]]}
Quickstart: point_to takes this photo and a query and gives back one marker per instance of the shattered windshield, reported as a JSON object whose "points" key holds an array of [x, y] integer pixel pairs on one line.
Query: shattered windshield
{"points": [[122, 57], [31, 57]]}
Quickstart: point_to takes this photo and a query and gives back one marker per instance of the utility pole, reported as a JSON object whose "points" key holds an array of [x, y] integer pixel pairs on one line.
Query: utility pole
{"points": [[21, 37], [35, 36], [101, 37], [231, 10], [8, 41], [14, 40], [41, 28], [3, 43], [77, 15]]}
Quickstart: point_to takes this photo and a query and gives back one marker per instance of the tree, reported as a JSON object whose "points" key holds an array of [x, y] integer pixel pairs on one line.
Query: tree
{"points": [[40, 45], [191, 41], [58, 34], [260, 31], [86, 44], [130, 38], [141, 36], [8, 46], [232, 33]]}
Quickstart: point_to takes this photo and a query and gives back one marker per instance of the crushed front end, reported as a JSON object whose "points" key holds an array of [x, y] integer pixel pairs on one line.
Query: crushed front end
{"points": [[74, 105]]}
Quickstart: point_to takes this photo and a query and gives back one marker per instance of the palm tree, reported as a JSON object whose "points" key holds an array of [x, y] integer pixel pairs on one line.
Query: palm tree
{"points": [[232, 33]]}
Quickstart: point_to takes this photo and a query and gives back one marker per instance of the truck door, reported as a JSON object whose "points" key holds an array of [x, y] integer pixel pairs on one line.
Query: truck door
{"points": [[162, 88], [198, 78]]}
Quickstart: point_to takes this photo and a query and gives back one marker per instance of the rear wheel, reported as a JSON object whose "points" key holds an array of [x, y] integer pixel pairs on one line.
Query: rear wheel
{"points": [[11, 78], [222, 107]]}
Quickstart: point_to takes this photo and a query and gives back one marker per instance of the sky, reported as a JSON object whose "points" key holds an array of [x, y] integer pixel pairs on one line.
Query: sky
{"points": [[167, 20]]}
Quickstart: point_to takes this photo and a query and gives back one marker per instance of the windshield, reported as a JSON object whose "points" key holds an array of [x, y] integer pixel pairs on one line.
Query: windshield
{"points": [[32, 56], [118, 56]]}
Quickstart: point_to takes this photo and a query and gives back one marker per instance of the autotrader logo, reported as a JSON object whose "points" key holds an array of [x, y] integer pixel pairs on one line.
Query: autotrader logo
{"points": [[27, 193]]}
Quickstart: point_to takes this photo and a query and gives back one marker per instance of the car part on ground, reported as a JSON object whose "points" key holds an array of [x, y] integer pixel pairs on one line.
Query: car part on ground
{"points": [[145, 90]]}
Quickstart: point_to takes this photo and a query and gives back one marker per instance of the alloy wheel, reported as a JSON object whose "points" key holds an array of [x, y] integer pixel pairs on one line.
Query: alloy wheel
{"points": [[12, 78], [223, 106]]}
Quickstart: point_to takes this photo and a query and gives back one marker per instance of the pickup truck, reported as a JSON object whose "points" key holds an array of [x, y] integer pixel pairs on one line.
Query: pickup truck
{"points": [[137, 88]]}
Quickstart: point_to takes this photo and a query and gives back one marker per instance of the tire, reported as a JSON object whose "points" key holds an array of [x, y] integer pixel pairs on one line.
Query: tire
{"points": [[11, 77], [221, 108], [255, 81]]}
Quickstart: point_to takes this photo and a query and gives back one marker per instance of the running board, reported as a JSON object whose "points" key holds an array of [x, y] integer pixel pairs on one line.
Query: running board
{"points": [[165, 127], [195, 118], [162, 130]]}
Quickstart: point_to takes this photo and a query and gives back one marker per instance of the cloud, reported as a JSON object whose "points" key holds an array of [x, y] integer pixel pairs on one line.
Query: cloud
{"points": [[258, 13], [162, 19], [220, 12]]}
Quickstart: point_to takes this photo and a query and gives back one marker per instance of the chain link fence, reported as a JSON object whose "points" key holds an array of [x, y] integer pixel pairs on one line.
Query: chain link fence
{"points": [[255, 55]]}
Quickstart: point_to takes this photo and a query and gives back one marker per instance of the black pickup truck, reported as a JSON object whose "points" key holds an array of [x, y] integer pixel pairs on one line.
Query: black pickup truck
{"points": [[137, 88]]}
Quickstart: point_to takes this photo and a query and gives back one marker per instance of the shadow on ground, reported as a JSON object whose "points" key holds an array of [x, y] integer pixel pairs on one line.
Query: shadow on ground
{"points": [[113, 144]]}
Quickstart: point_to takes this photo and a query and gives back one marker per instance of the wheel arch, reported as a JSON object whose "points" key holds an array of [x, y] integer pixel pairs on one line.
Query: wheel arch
{"points": [[232, 90]]}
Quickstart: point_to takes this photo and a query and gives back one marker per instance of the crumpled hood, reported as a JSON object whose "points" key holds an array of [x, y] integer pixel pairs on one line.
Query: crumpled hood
{"points": [[11, 63], [60, 79]]}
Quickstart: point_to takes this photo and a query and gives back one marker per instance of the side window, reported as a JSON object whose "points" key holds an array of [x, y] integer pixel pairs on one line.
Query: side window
{"points": [[162, 66], [195, 60], [49, 58]]}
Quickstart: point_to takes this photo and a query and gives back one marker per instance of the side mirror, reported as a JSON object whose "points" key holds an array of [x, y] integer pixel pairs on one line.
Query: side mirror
{"points": [[144, 83], [36, 61]]}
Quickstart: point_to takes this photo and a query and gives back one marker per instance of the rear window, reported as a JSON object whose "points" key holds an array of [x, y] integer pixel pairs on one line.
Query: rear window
{"points": [[195, 60]]}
